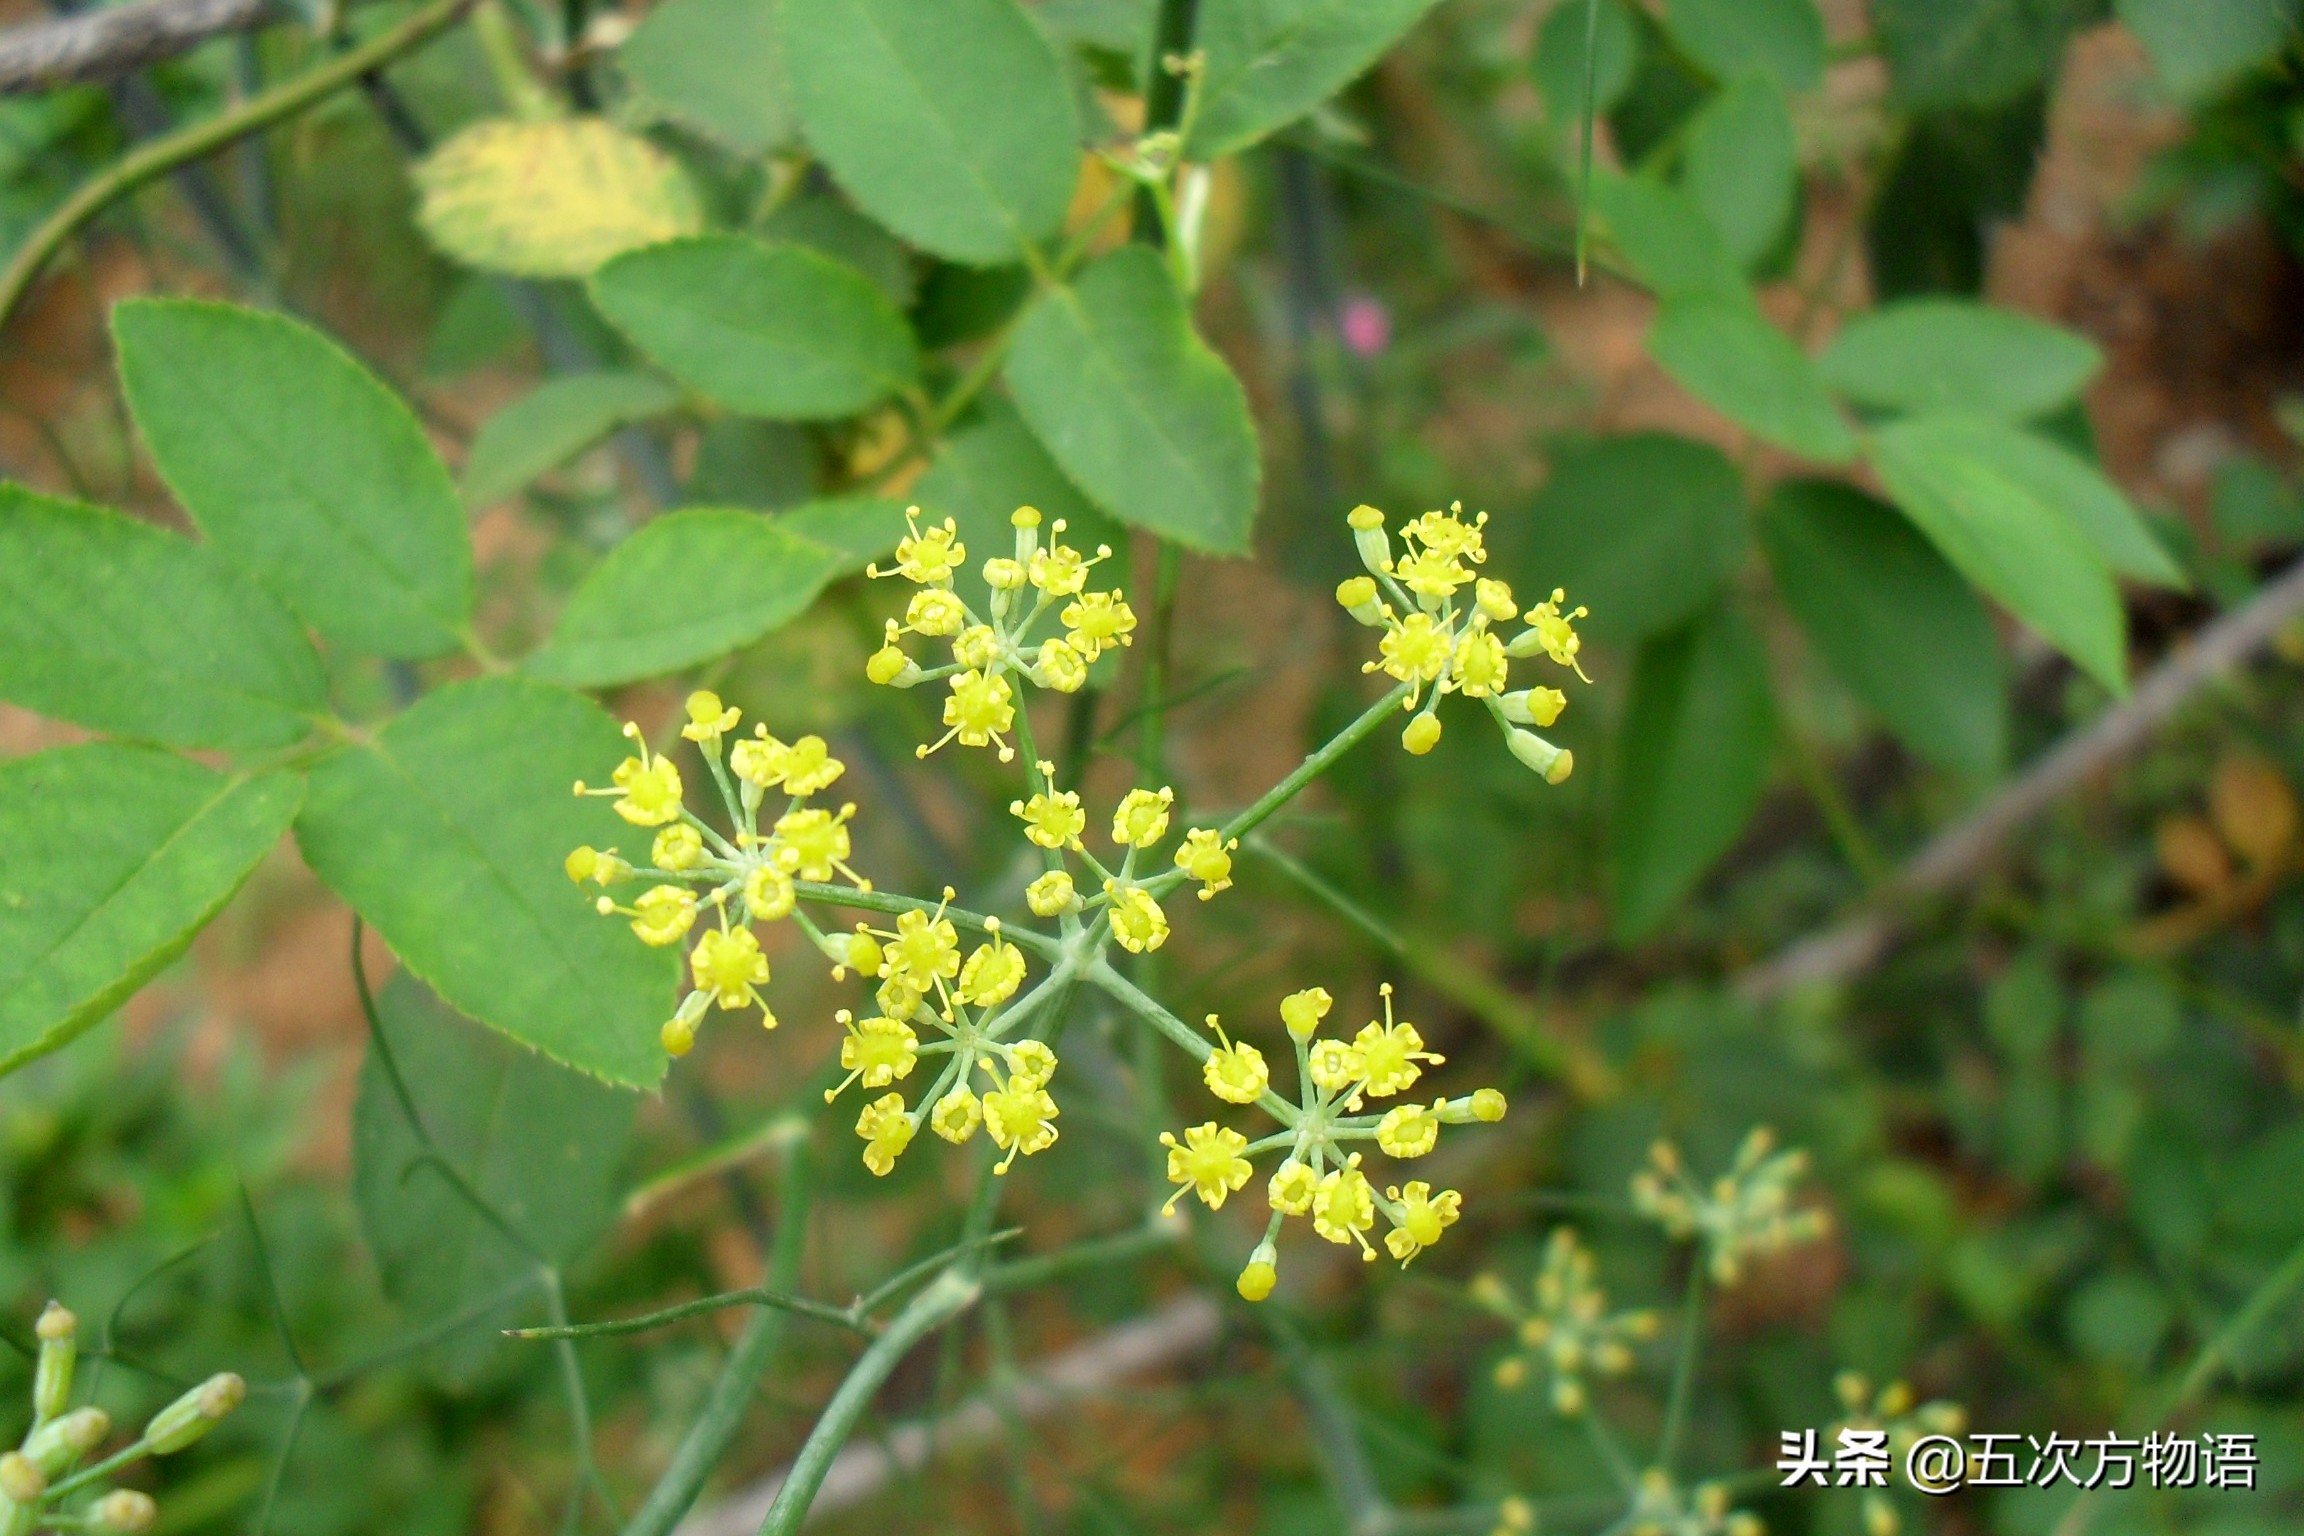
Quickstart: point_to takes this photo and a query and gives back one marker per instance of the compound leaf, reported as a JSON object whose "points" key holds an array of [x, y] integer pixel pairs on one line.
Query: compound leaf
{"points": [[553, 423]]}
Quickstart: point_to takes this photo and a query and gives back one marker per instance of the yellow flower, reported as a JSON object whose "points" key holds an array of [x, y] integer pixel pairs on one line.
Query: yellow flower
{"points": [[1031, 1064], [1447, 535], [956, 1115], [981, 706], [992, 974], [1332, 1065], [1051, 894], [1060, 666], [600, 866], [1415, 649], [709, 719], [768, 894], [1357, 595], [927, 558], [1533, 706], [679, 846], [1409, 1130], [1020, 1121], [1422, 734], [813, 843], [879, 1051], [1292, 1188], [977, 647], [1208, 1162], [1137, 921], [1256, 1281], [663, 914], [1097, 621], [809, 766], [935, 612], [1554, 631], [727, 963], [1060, 570], [758, 759], [1430, 575], [889, 666], [1142, 817], [1344, 1207], [1494, 600], [1303, 1011], [1421, 1219], [1207, 857], [1235, 1073], [1052, 819], [647, 788], [1480, 665], [924, 948], [886, 1130], [1386, 1054], [1002, 574]]}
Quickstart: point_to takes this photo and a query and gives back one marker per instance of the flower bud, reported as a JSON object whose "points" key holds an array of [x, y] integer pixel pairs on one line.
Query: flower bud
{"points": [[1488, 1105], [123, 1512], [187, 1420], [1533, 706], [1539, 754], [1358, 597], [1303, 1011], [864, 954], [58, 1332], [1369, 539], [1026, 522], [1256, 1281], [678, 1036], [891, 668], [63, 1440], [20, 1480], [1051, 894], [1422, 735]]}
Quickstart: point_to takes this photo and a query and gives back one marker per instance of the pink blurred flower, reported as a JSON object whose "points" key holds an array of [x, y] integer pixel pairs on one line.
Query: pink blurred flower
{"points": [[1365, 325]]}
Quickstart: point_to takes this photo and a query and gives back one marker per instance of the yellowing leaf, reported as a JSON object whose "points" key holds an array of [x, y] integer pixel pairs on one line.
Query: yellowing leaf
{"points": [[551, 199]]}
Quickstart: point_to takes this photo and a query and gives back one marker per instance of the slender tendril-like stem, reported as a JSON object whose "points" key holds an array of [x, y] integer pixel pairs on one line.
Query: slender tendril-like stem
{"points": [[1591, 112], [882, 901], [945, 1298], [1683, 1393], [1187, 1039], [162, 155], [1604, 1441], [732, 1393]]}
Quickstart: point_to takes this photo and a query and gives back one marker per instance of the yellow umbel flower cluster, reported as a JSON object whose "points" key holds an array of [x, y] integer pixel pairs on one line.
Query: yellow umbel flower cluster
{"points": [[989, 649], [1746, 1214], [1906, 1422], [1438, 637], [752, 879], [963, 1003], [1126, 900], [1569, 1331], [1317, 1176], [1662, 1508]]}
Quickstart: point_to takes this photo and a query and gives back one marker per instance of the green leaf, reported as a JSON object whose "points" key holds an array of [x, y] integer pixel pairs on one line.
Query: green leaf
{"points": [[689, 586], [716, 66], [768, 330], [949, 121], [823, 222], [1694, 754], [1974, 53], [859, 529], [302, 469], [1559, 61], [2198, 45], [1666, 238], [2055, 475], [1642, 529], [1783, 39], [984, 472], [1894, 622], [1954, 354], [116, 857], [1271, 61], [120, 626], [553, 198], [1741, 165], [447, 832], [1136, 407], [2028, 553], [553, 423], [1726, 355], [539, 1143]]}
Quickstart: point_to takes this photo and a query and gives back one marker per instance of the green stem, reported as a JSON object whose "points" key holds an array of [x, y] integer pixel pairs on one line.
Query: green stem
{"points": [[1619, 1465], [160, 156], [1683, 1393], [754, 1296], [1315, 765], [707, 1439], [1184, 1036], [1839, 817], [881, 901], [952, 1293]]}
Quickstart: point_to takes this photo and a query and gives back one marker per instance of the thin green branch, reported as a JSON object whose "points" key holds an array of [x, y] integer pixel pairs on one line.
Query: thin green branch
{"points": [[163, 155], [952, 1293], [883, 901], [1683, 1394]]}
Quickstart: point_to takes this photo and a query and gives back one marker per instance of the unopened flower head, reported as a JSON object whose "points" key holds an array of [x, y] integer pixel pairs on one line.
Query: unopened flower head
{"points": [[1438, 618], [1744, 1214], [1891, 1409], [1564, 1328], [1660, 1507]]}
